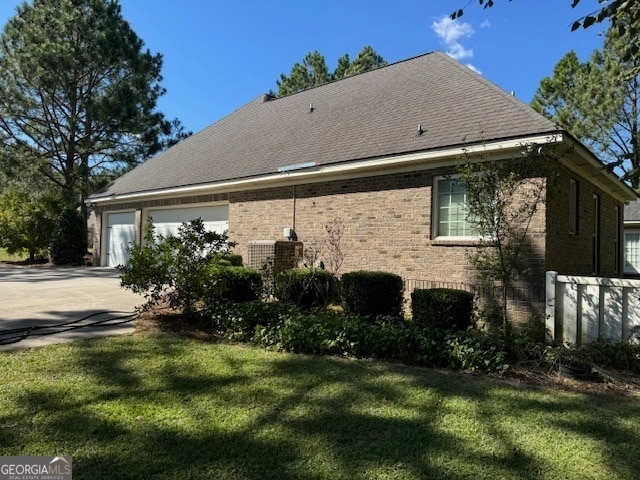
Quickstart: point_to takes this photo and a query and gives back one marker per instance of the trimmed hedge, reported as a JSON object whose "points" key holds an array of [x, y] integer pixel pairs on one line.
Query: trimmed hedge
{"points": [[231, 284], [304, 287], [372, 294], [442, 308], [229, 259]]}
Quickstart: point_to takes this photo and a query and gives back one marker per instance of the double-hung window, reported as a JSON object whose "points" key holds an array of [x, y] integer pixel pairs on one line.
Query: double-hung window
{"points": [[632, 251], [451, 210]]}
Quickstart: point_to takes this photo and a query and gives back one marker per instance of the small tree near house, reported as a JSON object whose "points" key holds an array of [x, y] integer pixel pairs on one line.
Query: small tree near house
{"points": [[503, 197]]}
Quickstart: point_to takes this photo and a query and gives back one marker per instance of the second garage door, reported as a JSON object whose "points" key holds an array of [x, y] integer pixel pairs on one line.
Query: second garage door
{"points": [[167, 221]]}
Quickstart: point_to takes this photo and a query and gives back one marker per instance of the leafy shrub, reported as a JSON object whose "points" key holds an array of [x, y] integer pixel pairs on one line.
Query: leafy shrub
{"points": [[171, 268], [27, 219], [372, 294], [382, 337], [69, 243], [223, 284], [304, 287], [311, 333], [442, 308], [228, 259], [472, 349], [239, 321]]}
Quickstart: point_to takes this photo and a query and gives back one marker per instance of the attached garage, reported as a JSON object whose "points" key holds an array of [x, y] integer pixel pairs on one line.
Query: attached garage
{"points": [[167, 221], [120, 234]]}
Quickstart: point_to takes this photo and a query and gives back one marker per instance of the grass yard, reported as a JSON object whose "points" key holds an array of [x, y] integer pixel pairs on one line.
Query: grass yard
{"points": [[146, 406], [5, 257]]}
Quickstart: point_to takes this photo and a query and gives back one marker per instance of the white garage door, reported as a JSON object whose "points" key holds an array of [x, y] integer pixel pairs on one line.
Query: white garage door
{"points": [[120, 234], [167, 221]]}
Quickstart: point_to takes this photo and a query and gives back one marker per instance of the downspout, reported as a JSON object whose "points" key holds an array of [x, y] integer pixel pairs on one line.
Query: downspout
{"points": [[293, 220]]}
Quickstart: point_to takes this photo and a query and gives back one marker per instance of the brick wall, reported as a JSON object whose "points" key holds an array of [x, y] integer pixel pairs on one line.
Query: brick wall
{"points": [[387, 226], [571, 253]]}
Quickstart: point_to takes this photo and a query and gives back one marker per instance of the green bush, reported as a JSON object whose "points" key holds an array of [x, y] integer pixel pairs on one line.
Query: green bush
{"points": [[170, 269], [442, 308], [311, 333], [69, 243], [239, 321], [222, 284], [472, 350], [372, 294], [228, 259], [304, 287], [281, 326]]}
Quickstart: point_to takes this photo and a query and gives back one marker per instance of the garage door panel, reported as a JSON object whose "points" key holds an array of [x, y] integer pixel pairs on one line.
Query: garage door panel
{"points": [[168, 221], [120, 235]]}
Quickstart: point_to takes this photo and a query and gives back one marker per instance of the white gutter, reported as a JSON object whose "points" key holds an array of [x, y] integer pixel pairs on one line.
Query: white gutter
{"points": [[313, 174], [624, 192]]}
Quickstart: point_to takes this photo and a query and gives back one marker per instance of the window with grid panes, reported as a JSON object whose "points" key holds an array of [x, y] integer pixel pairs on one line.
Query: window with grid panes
{"points": [[451, 209]]}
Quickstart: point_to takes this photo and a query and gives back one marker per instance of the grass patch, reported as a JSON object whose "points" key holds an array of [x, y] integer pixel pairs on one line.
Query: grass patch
{"points": [[5, 257], [148, 406]]}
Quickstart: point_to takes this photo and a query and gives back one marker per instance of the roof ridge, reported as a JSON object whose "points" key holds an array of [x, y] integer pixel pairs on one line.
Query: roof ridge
{"points": [[478, 77], [332, 82]]}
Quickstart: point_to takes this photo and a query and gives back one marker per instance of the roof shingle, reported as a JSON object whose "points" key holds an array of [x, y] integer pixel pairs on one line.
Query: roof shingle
{"points": [[369, 115]]}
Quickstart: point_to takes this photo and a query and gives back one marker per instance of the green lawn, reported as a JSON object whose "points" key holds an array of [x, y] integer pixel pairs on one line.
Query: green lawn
{"points": [[157, 407], [5, 257]]}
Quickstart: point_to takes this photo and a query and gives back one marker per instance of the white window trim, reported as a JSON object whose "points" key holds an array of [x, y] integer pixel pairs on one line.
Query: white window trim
{"points": [[435, 207], [629, 270]]}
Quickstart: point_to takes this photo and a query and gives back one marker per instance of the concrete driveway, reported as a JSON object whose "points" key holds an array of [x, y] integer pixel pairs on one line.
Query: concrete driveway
{"points": [[45, 296]]}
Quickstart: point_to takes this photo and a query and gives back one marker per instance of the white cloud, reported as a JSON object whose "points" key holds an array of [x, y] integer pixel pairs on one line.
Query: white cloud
{"points": [[485, 24], [474, 68], [459, 52], [450, 32]]}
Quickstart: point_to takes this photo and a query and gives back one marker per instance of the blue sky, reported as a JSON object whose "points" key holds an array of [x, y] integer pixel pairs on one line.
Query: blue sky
{"points": [[220, 55]]}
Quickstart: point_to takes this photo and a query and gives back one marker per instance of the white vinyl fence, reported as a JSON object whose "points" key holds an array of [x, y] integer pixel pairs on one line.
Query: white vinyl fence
{"points": [[580, 310]]}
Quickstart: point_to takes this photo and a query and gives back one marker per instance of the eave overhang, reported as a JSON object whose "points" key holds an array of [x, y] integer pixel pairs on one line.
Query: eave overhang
{"points": [[584, 163]]}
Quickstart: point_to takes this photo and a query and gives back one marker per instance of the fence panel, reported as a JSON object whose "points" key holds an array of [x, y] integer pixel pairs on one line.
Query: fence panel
{"points": [[584, 309]]}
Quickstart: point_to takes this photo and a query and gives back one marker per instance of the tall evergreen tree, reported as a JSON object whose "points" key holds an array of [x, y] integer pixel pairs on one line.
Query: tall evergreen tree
{"points": [[598, 102], [367, 59], [78, 93], [313, 70]]}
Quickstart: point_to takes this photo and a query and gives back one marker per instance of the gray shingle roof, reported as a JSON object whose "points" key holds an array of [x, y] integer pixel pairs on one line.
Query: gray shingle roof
{"points": [[366, 116], [632, 211]]}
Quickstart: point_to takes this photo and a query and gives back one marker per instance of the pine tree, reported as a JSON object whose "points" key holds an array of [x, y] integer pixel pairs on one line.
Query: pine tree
{"points": [[313, 70], [598, 102], [78, 93]]}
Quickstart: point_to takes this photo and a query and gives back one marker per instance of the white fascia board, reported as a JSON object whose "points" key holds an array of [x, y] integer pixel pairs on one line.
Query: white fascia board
{"points": [[362, 168], [607, 181]]}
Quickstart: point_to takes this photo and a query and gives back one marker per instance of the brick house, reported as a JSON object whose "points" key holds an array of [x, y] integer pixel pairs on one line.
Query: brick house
{"points": [[376, 151]]}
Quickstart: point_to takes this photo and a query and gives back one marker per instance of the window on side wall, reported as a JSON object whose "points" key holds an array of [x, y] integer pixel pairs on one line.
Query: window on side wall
{"points": [[632, 252], [573, 206], [450, 209]]}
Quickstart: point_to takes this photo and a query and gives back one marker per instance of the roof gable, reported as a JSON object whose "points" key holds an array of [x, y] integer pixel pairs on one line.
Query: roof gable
{"points": [[370, 115]]}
